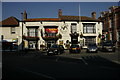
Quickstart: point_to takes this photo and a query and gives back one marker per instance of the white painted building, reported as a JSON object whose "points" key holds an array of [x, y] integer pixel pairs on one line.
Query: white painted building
{"points": [[39, 33], [44, 31], [10, 34]]}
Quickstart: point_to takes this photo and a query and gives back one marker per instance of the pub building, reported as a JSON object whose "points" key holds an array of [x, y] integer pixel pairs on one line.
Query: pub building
{"points": [[41, 33]]}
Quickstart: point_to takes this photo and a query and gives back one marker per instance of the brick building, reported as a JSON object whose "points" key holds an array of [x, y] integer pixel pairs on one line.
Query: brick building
{"points": [[111, 24]]}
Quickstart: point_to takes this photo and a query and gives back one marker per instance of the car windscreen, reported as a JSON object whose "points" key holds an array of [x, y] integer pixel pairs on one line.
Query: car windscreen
{"points": [[74, 46], [107, 44], [92, 45]]}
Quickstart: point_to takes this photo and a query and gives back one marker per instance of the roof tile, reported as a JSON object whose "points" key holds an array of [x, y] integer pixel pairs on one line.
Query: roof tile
{"points": [[43, 19], [10, 21]]}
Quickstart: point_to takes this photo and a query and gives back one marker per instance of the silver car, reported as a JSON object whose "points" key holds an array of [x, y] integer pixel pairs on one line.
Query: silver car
{"points": [[92, 47]]}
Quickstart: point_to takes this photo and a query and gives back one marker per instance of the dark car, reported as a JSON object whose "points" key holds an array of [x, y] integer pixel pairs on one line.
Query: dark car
{"points": [[107, 46], [55, 49], [92, 47], [61, 48], [74, 48]]}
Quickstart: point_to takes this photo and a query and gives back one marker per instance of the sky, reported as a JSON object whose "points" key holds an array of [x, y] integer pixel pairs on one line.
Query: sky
{"points": [[50, 9]]}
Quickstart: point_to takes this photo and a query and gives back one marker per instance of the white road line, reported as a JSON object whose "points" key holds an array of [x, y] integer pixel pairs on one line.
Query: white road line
{"points": [[115, 61], [84, 61], [36, 73], [56, 59]]}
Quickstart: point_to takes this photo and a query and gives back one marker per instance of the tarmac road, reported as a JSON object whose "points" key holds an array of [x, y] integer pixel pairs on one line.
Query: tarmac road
{"points": [[37, 66]]}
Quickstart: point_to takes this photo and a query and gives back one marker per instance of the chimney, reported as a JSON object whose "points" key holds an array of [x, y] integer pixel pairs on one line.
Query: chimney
{"points": [[59, 12], [94, 15], [24, 15]]}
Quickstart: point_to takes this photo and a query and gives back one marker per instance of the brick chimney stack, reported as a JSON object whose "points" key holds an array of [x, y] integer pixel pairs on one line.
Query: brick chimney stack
{"points": [[24, 15], [59, 12], [94, 15]]}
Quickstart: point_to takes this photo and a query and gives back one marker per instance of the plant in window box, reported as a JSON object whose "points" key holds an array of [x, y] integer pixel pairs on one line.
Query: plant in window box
{"points": [[50, 38]]}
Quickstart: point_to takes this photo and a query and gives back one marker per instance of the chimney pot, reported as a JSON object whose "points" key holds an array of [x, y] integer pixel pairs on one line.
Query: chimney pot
{"points": [[24, 15], [59, 12], [94, 15]]}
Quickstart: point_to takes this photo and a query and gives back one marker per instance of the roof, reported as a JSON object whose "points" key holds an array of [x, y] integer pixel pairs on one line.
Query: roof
{"points": [[11, 21], [78, 18], [43, 19], [65, 18]]}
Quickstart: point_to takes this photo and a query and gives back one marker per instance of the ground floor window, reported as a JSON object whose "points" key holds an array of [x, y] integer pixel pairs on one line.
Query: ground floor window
{"points": [[32, 44], [90, 40], [50, 43]]}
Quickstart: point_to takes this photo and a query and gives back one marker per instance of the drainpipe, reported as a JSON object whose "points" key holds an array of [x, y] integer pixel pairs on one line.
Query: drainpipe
{"points": [[22, 29]]}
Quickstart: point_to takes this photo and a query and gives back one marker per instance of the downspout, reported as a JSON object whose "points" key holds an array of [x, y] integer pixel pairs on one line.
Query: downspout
{"points": [[22, 30]]}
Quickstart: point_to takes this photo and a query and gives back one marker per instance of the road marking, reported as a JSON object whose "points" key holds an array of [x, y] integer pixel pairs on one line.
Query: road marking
{"points": [[56, 59], [84, 61], [36, 73], [115, 61]]}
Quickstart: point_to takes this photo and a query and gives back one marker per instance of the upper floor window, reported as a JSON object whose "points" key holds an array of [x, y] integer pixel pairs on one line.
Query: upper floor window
{"points": [[89, 28], [111, 22], [12, 30], [73, 27], [51, 34], [32, 32]]}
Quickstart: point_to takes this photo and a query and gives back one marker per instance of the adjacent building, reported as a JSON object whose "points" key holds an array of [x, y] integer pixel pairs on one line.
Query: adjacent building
{"points": [[111, 24], [39, 33], [11, 33]]}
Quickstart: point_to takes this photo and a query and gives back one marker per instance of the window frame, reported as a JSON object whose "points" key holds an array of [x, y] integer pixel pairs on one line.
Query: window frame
{"points": [[33, 33], [13, 30], [89, 28]]}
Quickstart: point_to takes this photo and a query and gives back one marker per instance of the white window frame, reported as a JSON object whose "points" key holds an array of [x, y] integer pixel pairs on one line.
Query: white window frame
{"points": [[13, 30], [89, 28]]}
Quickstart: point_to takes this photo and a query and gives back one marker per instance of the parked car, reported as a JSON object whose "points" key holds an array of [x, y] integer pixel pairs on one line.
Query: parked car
{"points": [[107, 46], [61, 48], [55, 49], [74, 48], [92, 47]]}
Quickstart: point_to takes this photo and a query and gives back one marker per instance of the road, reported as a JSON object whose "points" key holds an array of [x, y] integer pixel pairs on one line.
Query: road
{"points": [[39, 66]]}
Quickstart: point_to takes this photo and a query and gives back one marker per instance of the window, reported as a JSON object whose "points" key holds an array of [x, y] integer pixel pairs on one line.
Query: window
{"points": [[90, 40], [89, 28], [51, 34], [32, 32], [73, 27], [111, 22], [12, 30]]}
